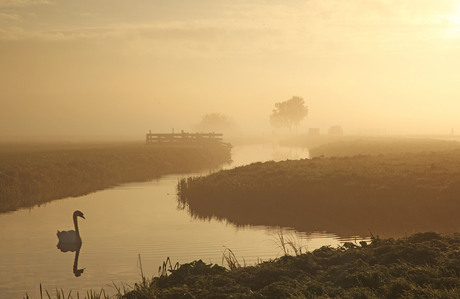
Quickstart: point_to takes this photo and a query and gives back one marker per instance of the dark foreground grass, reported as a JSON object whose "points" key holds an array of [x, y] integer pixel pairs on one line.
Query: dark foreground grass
{"points": [[32, 174], [391, 195], [424, 265]]}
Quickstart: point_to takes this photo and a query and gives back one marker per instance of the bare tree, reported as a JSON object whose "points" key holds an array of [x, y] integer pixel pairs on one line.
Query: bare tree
{"points": [[289, 113]]}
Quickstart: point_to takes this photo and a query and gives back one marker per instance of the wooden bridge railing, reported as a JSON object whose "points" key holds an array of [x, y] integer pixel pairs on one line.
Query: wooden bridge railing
{"points": [[203, 138]]}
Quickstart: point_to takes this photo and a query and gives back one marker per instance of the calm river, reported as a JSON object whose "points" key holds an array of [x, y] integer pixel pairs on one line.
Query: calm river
{"points": [[123, 223]]}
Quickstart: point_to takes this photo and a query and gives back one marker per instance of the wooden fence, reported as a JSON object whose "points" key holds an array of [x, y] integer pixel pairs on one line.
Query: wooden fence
{"points": [[185, 138]]}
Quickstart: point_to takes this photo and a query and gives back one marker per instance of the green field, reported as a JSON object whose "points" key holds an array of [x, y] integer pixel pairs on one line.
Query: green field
{"points": [[35, 173]]}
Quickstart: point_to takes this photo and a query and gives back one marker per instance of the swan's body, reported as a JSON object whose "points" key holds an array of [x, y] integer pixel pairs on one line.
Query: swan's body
{"points": [[71, 236]]}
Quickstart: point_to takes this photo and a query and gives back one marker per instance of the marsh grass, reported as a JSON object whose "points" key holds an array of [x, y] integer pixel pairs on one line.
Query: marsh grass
{"points": [[353, 146], [143, 278], [61, 294], [34, 174], [231, 260], [340, 146], [121, 291], [167, 267], [390, 194], [291, 243], [424, 265]]}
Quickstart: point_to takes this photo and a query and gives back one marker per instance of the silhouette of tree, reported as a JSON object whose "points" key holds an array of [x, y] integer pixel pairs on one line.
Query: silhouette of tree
{"points": [[215, 122], [288, 113]]}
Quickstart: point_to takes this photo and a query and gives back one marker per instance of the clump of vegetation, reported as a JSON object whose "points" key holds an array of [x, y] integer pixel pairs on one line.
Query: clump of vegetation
{"points": [[389, 194], [33, 174], [424, 265], [90, 294]]}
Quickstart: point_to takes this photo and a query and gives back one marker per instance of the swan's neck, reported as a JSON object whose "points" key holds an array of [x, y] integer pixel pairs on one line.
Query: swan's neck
{"points": [[75, 223]]}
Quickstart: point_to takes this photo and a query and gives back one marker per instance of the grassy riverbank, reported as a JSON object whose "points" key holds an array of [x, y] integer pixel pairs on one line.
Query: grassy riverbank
{"points": [[32, 174], [350, 145], [390, 195], [425, 265], [382, 146]]}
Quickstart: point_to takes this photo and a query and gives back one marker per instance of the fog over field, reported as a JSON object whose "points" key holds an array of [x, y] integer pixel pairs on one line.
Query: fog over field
{"points": [[123, 67], [198, 137]]}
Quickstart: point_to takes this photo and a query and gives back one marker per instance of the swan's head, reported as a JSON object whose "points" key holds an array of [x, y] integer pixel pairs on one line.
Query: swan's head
{"points": [[78, 214]]}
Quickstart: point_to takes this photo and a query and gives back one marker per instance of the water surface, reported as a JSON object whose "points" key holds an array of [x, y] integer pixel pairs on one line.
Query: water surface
{"points": [[123, 223]]}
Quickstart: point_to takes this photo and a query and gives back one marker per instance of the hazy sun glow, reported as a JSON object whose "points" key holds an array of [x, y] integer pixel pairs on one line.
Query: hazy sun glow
{"points": [[453, 23]]}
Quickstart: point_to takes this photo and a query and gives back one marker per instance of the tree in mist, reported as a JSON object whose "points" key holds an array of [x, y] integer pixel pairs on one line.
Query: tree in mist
{"points": [[288, 113], [215, 122]]}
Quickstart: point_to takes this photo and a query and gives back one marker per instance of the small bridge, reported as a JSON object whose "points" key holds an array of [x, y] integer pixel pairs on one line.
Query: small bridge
{"points": [[184, 138]]}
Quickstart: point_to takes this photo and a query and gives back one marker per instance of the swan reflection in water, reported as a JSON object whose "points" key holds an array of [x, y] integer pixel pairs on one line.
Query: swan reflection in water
{"points": [[65, 247], [71, 241]]}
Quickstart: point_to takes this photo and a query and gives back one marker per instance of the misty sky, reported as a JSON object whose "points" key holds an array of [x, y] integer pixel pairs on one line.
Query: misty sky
{"points": [[118, 67]]}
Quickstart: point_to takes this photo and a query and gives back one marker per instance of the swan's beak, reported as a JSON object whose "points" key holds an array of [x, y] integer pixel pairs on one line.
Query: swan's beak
{"points": [[83, 217]]}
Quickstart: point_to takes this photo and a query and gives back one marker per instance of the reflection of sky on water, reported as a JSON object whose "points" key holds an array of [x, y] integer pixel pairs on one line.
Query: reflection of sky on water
{"points": [[121, 223], [243, 155]]}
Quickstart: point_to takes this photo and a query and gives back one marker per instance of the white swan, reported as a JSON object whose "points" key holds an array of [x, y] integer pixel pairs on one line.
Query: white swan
{"points": [[71, 236]]}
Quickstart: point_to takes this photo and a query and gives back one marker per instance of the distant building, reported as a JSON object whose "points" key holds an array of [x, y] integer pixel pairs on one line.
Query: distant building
{"points": [[335, 131], [313, 131]]}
